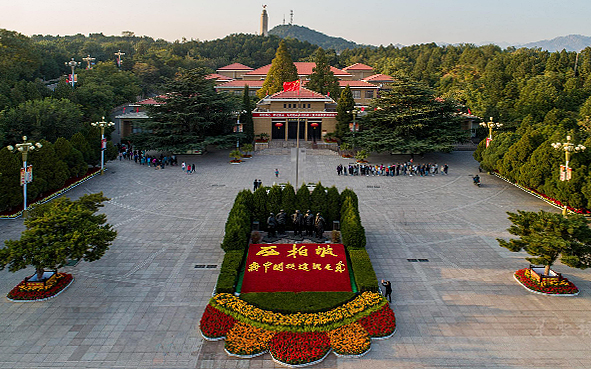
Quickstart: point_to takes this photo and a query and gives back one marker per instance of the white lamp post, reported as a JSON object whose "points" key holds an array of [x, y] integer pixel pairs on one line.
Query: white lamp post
{"points": [[103, 124], [565, 171], [26, 175], [72, 64], [490, 126]]}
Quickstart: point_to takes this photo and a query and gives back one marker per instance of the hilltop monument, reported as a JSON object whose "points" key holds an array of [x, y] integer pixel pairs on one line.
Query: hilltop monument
{"points": [[264, 22]]}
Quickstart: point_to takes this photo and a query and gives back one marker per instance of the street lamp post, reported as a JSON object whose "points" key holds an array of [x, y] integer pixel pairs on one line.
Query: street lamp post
{"points": [[490, 126], [103, 124], [26, 173], [72, 64], [565, 171], [89, 61], [119, 54]]}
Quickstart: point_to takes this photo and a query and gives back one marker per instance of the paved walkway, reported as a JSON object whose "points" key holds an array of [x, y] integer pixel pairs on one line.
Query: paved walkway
{"points": [[140, 305]]}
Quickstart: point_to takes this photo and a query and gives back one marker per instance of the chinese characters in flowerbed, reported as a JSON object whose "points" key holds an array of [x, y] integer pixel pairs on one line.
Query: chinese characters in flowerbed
{"points": [[296, 268]]}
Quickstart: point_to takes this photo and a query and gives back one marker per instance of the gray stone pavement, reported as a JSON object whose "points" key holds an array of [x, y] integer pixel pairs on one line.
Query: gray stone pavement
{"points": [[140, 305]]}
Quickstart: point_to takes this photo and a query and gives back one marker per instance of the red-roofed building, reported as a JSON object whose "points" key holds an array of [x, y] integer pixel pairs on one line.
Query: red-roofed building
{"points": [[304, 71], [278, 115], [383, 81], [237, 86], [234, 71], [362, 91], [218, 78], [359, 70]]}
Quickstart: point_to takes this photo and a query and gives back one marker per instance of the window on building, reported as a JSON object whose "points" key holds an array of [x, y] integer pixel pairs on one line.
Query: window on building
{"points": [[284, 106], [369, 94], [308, 106], [289, 106], [252, 93], [356, 94]]}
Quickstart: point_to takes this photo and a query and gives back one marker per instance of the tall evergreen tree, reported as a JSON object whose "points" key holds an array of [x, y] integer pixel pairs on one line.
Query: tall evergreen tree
{"points": [[322, 79], [345, 107], [409, 118], [191, 115], [318, 203], [303, 199], [282, 70], [259, 203], [288, 200], [274, 200], [333, 200], [246, 116]]}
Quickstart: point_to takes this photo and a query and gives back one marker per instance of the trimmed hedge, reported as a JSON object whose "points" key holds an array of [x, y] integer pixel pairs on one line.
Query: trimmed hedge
{"points": [[229, 271], [365, 276], [292, 302], [352, 232]]}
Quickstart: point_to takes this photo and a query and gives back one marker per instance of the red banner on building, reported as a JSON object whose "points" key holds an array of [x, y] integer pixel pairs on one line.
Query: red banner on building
{"points": [[296, 268], [294, 115]]}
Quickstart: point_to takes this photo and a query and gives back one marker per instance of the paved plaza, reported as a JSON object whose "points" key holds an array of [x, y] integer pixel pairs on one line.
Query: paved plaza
{"points": [[140, 305]]}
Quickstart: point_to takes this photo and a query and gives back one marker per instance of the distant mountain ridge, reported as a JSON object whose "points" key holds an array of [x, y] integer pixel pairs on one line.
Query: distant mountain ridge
{"points": [[314, 37], [569, 43]]}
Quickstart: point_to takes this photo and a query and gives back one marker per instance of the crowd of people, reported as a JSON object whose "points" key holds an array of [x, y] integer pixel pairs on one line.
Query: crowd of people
{"points": [[392, 170], [153, 161]]}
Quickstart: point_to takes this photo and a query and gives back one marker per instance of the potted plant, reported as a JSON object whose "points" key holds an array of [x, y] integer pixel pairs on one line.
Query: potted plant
{"points": [[236, 154], [361, 156], [345, 150], [330, 137], [263, 137], [247, 148]]}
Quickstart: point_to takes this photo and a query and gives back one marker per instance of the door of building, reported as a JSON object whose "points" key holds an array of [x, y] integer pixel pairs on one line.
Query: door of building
{"points": [[314, 131], [278, 129], [293, 129]]}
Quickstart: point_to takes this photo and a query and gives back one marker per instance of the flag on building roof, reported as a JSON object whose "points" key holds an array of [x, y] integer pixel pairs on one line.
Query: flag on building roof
{"points": [[291, 86]]}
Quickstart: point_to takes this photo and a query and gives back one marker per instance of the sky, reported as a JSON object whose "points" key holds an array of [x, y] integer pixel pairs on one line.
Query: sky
{"points": [[372, 22]]}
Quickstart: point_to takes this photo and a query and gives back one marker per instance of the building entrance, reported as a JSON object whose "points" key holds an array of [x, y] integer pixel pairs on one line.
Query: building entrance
{"points": [[292, 129]]}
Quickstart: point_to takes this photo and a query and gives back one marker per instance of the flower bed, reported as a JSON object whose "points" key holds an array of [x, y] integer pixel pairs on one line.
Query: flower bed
{"points": [[563, 287], [22, 293], [360, 307], [543, 197], [299, 348], [381, 323], [70, 183], [215, 324], [298, 339]]}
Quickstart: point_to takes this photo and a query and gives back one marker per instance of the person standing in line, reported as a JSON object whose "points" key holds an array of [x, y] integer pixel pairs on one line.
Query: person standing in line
{"points": [[193, 168], [183, 166], [276, 172], [260, 184], [388, 286], [255, 184], [445, 169]]}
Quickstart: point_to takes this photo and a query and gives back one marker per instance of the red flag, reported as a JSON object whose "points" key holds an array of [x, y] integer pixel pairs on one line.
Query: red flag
{"points": [[291, 86], [469, 112], [363, 108]]}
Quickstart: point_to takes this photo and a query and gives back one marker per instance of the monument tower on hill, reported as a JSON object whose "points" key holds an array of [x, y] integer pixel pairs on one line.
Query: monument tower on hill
{"points": [[264, 22]]}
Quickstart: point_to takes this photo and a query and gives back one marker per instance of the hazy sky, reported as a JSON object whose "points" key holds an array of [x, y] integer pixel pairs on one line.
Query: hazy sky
{"points": [[368, 21]]}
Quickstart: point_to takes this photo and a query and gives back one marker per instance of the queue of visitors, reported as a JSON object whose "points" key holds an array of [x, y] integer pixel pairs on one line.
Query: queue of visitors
{"points": [[152, 161], [392, 170]]}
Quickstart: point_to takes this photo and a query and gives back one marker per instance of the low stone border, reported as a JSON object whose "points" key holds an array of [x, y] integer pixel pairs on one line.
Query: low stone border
{"points": [[352, 356], [210, 339], [245, 356], [385, 337], [47, 298], [543, 293], [300, 365]]}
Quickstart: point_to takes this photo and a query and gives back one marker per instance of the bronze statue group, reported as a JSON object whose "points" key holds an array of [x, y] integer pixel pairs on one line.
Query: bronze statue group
{"points": [[312, 225]]}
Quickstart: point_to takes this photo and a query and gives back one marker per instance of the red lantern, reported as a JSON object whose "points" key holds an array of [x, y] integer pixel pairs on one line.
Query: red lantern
{"points": [[314, 125], [278, 124]]}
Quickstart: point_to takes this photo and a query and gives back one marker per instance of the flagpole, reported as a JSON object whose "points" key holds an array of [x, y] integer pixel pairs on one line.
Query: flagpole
{"points": [[298, 139]]}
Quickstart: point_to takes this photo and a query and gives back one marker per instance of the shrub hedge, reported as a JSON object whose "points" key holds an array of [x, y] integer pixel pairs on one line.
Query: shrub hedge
{"points": [[293, 302], [229, 271], [365, 276]]}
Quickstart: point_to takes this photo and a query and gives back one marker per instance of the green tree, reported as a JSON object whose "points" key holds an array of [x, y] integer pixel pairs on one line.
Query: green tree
{"points": [[282, 70], [57, 231], [246, 115], [410, 119], [303, 199], [274, 200], [12, 193], [345, 107], [333, 200], [548, 236], [288, 202], [192, 115], [322, 79], [80, 143], [49, 172], [259, 203], [73, 158], [46, 119], [318, 202]]}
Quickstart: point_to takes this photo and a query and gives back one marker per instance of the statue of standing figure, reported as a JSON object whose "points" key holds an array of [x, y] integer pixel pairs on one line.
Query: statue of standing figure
{"points": [[319, 223], [309, 223], [281, 221], [298, 222], [271, 225]]}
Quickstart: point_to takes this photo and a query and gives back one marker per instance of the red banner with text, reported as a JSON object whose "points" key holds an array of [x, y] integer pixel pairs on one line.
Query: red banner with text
{"points": [[296, 268]]}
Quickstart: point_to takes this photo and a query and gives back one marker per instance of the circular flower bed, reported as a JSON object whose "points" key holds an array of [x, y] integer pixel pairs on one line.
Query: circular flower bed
{"points": [[21, 294], [299, 348], [563, 287], [298, 339], [215, 324]]}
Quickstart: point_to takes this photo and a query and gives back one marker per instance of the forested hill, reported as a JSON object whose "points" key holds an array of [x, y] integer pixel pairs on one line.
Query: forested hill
{"points": [[314, 37], [568, 43]]}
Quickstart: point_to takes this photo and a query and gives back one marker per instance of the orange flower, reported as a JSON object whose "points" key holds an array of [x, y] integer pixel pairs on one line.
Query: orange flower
{"points": [[246, 340], [349, 339]]}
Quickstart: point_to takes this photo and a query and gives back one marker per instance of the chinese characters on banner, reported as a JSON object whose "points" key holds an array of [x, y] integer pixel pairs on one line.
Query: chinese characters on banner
{"points": [[296, 268], [566, 173], [26, 175]]}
